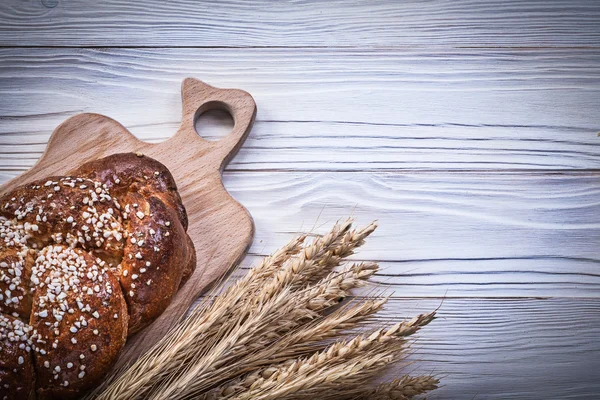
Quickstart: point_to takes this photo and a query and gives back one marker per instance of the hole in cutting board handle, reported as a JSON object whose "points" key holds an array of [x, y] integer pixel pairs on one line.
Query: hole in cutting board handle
{"points": [[213, 122]]}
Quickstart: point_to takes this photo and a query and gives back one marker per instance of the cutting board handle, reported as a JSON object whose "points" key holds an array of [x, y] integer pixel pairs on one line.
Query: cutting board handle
{"points": [[199, 97]]}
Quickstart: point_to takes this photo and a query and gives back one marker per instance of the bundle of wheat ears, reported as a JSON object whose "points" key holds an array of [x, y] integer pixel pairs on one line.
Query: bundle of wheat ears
{"points": [[281, 332]]}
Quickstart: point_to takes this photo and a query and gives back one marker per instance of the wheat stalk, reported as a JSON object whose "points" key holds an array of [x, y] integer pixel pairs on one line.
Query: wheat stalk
{"points": [[316, 260], [255, 334], [276, 345], [301, 341], [350, 363], [259, 331], [170, 354], [237, 303]]}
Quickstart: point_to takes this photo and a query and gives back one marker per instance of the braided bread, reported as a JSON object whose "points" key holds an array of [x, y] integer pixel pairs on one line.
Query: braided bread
{"points": [[85, 261]]}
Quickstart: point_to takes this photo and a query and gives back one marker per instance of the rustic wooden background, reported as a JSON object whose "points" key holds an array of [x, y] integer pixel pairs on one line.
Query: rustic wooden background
{"points": [[468, 128]]}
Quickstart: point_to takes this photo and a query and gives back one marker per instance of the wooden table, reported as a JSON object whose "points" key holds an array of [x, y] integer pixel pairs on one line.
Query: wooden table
{"points": [[467, 128]]}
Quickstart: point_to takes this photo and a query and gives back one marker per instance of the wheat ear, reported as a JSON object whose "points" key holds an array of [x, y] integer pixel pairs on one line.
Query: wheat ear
{"points": [[253, 336], [198, 332], [402, 388], [168, 355], [301, 341], [350, 363], [302, 268]]}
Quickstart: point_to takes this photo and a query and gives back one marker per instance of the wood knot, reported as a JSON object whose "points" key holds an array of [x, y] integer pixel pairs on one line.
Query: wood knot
{"points": [[49, 3]]}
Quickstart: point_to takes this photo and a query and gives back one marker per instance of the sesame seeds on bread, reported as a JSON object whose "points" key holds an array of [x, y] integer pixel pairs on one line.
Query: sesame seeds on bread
{"points": [[85, 260]]}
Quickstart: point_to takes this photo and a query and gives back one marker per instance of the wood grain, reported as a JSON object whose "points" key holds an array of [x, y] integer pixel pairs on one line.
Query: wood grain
{"points": [[488, 234], [539, 277], [234, 23], [468, 128], [467, 234], [422, 214], [220, 228], [327, 109], [507, 349]]}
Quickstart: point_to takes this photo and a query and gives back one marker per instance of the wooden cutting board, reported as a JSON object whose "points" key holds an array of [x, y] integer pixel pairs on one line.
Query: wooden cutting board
{"points": [[220, 227]]}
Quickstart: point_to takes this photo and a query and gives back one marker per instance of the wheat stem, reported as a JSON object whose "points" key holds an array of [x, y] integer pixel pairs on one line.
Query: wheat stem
{"points": [[350, 362], [255, 335], [171, 353]]}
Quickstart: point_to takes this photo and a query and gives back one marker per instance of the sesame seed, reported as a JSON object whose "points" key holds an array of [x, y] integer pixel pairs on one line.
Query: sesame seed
{"points": [[140, 215], [93, 347], [21, 360], [81, 374], [70, 365], [168, 223], [138, 255], [134, 276], [47, 364], [96, 314]]}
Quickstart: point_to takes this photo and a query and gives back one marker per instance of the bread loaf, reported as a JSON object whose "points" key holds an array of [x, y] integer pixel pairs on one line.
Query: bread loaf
{"points": [[86, 260]]}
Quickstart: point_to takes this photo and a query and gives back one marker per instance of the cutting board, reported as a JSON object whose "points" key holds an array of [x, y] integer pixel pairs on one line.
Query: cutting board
{"points": [[220, 227]]}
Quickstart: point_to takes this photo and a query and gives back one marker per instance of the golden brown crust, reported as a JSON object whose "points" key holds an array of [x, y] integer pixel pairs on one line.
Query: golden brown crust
{"points": [[158, 252], [108, 240], [71, 210], [154, 259], [80, 344], [15, 297], [135, 173], [190, 260], [17, 378]]}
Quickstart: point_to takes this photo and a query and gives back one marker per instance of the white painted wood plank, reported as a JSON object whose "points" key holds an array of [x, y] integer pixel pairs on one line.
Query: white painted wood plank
{"points": [[385, 107], [455, 234], [323, 109], [508, 349], [432, 215], [235, 23], [540, 277]]}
